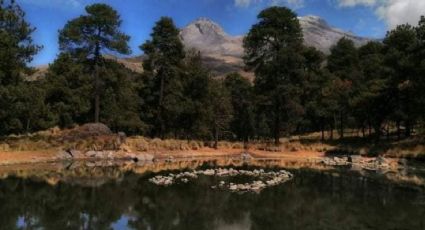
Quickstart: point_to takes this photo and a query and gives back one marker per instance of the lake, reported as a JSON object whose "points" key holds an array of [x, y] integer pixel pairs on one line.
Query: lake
{"points": [[120, 196]]}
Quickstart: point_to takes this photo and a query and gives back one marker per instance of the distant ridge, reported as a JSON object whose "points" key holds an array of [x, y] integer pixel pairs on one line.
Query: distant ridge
{"points": [[207, 36], [222, 53]]}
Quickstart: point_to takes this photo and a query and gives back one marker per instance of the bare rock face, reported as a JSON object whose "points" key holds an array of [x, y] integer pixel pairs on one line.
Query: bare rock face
{"points": [[222, 53], [209, 38], [319, 34]]}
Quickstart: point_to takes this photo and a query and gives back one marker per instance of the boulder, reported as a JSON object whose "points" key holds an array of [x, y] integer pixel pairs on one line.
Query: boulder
{"points": [[86, 131], [246, 156]]}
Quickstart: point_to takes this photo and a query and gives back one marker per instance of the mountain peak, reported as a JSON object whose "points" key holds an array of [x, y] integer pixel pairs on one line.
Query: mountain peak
{"points": [[203, 20], [314, 19], [206, 26], [209, 37]]}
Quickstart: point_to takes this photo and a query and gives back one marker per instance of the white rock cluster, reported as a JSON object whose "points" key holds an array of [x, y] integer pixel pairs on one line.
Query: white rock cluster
{"points": [[262, 179], [374, 164], [336, 161]]}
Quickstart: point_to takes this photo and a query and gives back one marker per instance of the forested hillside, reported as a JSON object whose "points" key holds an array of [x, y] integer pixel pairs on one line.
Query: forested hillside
{"points": [[376, 89]]}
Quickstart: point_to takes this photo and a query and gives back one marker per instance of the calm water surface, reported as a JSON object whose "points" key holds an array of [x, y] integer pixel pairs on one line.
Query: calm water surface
{"points": [[113, 198]]}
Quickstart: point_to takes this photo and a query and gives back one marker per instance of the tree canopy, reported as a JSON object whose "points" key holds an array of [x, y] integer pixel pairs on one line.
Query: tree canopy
{"points": [[375, 89]]}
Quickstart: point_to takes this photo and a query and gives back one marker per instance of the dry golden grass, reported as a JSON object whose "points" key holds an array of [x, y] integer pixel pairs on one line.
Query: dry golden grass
{"points": [[143, 144], [53, 139], [416, 152]]}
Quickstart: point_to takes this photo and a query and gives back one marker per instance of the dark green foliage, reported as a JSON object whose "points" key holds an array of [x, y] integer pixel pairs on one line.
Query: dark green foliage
{"points": [[194, 118], [89, 36], [242, 98], [21, 104], [273, 49], [120, 105], [69, 92], [16, 44], [400, 49], [373, 88], [370, 105], [220, 109], [317, 94], [164, 84], [344, 64]]}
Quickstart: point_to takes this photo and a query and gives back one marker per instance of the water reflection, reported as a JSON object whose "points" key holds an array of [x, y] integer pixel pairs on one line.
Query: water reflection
{"points": [[314, 199]]}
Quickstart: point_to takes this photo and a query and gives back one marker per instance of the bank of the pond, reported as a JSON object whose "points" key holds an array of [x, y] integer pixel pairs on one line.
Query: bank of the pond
{"points": [[44, 156], [295, 157]]}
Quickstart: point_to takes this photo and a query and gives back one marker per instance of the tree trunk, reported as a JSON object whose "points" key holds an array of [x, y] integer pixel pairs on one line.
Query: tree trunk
{"points": [[28, 126], [369, 129], [277, 131], [378, 133], [161, 109], [341, 125], [398, 130], [96, 84], [215, 136], [246, 143], [408, 130], [388, 130]]}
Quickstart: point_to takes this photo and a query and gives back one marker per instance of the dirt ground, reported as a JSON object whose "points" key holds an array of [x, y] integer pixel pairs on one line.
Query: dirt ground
{"points": [[16, 157]]}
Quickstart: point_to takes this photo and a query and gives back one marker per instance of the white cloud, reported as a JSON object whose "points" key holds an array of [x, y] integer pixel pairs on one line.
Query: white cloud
{"points": [[397, 12], [393, 12], [291, 3], [351, 3], [57, 4]]}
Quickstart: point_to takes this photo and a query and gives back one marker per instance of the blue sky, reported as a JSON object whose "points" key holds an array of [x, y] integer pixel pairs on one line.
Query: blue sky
{"points": [[370, 18]]}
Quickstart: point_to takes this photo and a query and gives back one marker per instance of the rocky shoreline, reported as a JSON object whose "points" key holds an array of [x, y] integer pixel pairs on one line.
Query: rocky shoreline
{"points": [[368, 164]]}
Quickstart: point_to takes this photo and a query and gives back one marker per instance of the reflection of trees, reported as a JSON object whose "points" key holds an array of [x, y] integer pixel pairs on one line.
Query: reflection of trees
{"points": [[311, 201], [63, 206]]}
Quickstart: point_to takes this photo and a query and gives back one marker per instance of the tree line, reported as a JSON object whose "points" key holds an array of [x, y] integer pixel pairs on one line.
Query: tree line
{"points": [[376, 88]]}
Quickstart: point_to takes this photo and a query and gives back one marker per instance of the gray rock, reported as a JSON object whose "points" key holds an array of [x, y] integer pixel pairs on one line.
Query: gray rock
{"points": [[208, 37]]}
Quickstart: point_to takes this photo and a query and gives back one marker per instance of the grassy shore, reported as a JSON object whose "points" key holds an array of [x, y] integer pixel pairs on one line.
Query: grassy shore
{"points": [[46, 145]]}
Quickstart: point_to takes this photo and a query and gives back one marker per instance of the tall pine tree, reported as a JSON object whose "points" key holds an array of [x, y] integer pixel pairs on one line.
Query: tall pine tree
{"points": [[89, 36], [273, 49]]}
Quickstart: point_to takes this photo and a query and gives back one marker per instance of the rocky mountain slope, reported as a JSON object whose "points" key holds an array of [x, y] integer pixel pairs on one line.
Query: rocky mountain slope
{"points": [[208, 37], [223, 53], [319, 34]]}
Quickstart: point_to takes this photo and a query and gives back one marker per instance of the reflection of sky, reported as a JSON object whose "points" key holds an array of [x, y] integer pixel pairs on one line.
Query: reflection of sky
{"points": [[242, 224], [122, 223], [20, 223]]}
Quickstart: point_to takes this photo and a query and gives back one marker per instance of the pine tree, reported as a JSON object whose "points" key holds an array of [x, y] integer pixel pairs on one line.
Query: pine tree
{"points": [[88, 36], [16, 51], [68, 85], [194, 119], [220, 109], [343, 62], [273, 50], [399, 58], [242, 98], [163, 71], [370, 107]]}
